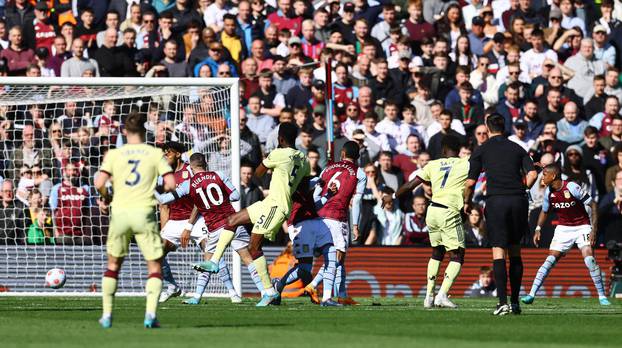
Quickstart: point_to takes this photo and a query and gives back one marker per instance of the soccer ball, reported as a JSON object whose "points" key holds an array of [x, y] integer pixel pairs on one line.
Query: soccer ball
{"points": [[55, 278]]}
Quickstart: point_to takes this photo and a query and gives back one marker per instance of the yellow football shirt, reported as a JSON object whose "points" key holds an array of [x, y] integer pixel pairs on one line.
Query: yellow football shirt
{"points": [[447, 177], [288, 166], [134, 169]]}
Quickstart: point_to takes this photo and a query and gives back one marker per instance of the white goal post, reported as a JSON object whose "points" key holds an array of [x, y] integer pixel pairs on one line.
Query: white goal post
{"points": [[48, 175]]}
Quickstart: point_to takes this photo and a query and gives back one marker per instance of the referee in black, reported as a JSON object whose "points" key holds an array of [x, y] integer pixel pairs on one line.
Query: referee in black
{"points": [[509, 173]]}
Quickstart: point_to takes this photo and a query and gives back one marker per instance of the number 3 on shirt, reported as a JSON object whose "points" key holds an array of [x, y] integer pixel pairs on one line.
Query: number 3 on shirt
{"points": [[446, 169], [134, 164]]}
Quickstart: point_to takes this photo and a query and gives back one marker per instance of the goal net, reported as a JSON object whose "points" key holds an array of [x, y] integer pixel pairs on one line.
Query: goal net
{"points": [[53, 136]]}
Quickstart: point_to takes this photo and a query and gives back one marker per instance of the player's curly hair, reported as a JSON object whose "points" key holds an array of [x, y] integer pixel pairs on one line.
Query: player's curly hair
{"points": [[288, 132]]}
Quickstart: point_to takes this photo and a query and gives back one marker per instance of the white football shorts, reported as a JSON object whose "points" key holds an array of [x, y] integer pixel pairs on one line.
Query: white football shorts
{"points": [[173, 228], [240, 239], [308, 236], [567, 236], [340, 231]]}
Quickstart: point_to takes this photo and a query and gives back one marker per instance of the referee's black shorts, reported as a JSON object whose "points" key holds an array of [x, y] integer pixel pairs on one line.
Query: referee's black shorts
{"points": [[506, 219]]}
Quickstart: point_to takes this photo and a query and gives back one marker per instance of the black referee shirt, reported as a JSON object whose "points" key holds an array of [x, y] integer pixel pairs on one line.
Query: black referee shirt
{"points": [[505, 164]]}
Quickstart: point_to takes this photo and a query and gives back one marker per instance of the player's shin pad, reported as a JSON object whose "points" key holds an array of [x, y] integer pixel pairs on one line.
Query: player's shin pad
{"points": [[433, 267], [262, 269], [167, 275], [451, 273], [226, 236], [592, 266], [109, 287], [153, 289], [327, 273], [542, 273]]}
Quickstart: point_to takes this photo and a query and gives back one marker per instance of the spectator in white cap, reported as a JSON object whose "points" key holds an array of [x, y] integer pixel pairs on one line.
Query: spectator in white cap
{"points": [[603, 50], [520, 134], [585, 67]]}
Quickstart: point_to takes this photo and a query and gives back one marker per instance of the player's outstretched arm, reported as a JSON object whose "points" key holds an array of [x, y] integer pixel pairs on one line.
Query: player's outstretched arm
{"points": [[182, 190], [541, 220], [469, 185], [261, 170], [408, 187], [594, 232]]}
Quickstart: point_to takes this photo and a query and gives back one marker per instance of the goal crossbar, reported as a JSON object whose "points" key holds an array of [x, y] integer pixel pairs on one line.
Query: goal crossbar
{"points": [[136, 87]]}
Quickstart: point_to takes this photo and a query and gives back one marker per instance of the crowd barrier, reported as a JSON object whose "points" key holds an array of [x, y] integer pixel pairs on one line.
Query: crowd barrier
{"points": [[401, 272]]}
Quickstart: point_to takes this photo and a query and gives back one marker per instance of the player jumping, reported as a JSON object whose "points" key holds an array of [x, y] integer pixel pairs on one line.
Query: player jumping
{"points": [[572, 206], [288, 166], [310, 236], [174, 218], [349, 181], [447, 176], [211, 195], [133, 169]]}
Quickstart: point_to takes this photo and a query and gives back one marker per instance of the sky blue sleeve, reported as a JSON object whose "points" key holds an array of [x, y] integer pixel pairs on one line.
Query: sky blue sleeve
{"points": [[54, 197], [577, 192], [234, 196], [361, 183], [315, 183], [545, 201], [597, 120]]}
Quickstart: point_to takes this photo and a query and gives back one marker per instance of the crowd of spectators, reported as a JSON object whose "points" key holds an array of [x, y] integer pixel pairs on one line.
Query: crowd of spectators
{"points": [[403, 75]]}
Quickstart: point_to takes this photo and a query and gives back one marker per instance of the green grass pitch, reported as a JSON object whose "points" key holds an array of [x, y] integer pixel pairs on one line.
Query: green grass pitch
{"points": [[387, 323]]}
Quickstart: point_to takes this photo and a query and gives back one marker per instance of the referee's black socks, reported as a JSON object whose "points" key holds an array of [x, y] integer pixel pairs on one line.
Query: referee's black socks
{"points": [[501, 280], [516, 277]]}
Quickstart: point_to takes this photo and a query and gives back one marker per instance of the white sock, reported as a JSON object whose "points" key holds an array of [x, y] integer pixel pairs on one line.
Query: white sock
{"points": [[318, 278], [597, 278], [255, 277], [340, 281], [202, 281], [225, 276], [328, 273], [543, 272]]}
